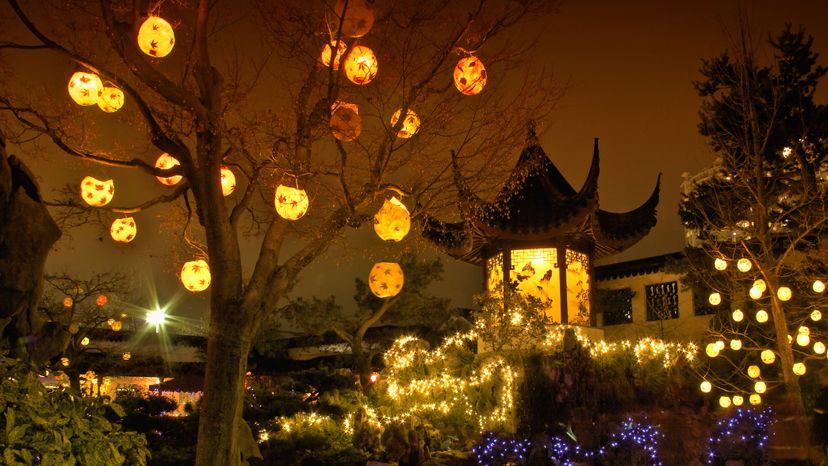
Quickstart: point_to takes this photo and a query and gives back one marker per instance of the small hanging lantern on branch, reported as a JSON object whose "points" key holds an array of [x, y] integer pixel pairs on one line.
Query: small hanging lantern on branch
{"points": [[361, 65], [410, 125], [165, 162], [346, 125], [85, 88], [195, 275], [123, 230], [327, 49], [356, 16], [386, 279], [97, 193], [393, 221], [156, 37], [228, 181], [291, 203], [470, 75], [111, 100]]}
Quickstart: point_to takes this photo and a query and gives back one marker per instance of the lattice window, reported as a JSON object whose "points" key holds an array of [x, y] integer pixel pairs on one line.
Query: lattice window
{"points": [[494, 274], [662, 301], [575, 257], [521, 257], [615, 305]]}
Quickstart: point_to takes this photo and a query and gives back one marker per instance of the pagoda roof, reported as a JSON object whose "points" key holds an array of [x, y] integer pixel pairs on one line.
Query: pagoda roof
{"points": [[537, 205]]}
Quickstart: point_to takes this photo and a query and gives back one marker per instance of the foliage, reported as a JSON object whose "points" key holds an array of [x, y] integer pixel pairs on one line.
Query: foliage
{"points": [[59, 428], [311, 440], [516, 321], [170, 439]]}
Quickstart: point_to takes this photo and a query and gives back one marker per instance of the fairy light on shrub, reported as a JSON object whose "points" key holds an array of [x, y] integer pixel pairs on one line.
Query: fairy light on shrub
{"points": [[499, 450], [748, 428], [629, 437]]}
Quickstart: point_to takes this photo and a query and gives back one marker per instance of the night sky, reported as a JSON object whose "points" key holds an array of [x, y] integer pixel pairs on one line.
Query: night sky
{"points": [[629, 66]]}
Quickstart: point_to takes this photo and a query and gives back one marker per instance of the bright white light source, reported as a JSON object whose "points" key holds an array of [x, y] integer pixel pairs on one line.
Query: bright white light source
{"points": [[156, 318]]}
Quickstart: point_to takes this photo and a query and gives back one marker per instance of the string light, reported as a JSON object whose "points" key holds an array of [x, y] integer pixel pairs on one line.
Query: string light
{"points": [[745, 430]]}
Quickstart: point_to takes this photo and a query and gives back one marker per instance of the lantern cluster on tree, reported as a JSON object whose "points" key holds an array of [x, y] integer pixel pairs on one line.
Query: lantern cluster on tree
{"points": [[291, 203], [95, 192], [393, 221], [409, 126], [165, 162], [361, 65], [123, 230], [346, 125], [470, 75], [195, 275], [386, 279], [228, 181], [156, 37]]}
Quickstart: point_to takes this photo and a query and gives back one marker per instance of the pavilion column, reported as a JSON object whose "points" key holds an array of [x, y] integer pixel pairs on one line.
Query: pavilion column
{"points": [[561, 257]]}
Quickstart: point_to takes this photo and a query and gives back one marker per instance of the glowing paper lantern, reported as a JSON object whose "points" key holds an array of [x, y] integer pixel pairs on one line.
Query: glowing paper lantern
{"points": [[783, 293], [760, 285], [67, 302], [712, 350], [819, 347], [803, 339], [768, 357], [724, 401], [346, 125], [111, 100], [705, 386], [195, 275], [101, 300], [386, 279], [753, 372], [761, 316], [73, 329], [123, 230], [818, 286], [165, 162], [715, 299], [85, 88], [755, 292], [228, 181], [358, 17], [720, 264], [738, 315], [126, 356], [755, 399], [117, 325], [744, 264], [760, 387], [64, 361], [738, 400], [84, 341], [291, 203], [816, 315], [720, 345], [374, 377], [361, 66], [156, 37], [803, 329], [799, 368], [409, 127], [470, 75], [393, 221], [325, 55], [97, 193], [735, 345]]}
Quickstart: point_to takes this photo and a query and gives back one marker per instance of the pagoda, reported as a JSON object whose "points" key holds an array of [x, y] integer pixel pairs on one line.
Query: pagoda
{"points": [[540, 236]]}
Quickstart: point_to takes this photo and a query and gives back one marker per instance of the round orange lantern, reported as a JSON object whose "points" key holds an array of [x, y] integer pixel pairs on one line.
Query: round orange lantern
{"points": [[64, 361], [358, 17], [393, 221], [111, 100], [195, 275], [346, 125], [67, 302], [410, 125], [126, 356], [291, 203], [97, 193], [325, 55], [228, 181], [85, 88], [386, 279], [123, 230], [156, 37], [361, 65], [165, 162], [470, 75], [73, 329], [101, 300]]}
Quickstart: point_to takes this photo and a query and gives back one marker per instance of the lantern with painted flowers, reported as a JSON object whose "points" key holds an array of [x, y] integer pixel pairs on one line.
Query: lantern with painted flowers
{"points": [[123, 230], [85, 88], [156, 37], [291, 203], [111, 100], [768, 356], [228, 181], [346, 124], [393, 221], [409, 126], [386, 279], [356, 17], [325, 55], [165, 162], [95, 192], [195, 275], [361, 65], [470, 75]]}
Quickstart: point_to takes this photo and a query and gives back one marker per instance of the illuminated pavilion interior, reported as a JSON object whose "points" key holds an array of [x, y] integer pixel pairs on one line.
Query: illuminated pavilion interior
{"points": [[540, 233]]}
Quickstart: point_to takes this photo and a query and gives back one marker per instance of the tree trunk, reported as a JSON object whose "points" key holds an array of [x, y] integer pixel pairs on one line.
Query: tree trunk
{"points": [[223, 398], [363, 366]]}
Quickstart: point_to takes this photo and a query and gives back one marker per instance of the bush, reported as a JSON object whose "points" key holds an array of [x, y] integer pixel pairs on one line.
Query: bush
{"points": [[59, 428]]}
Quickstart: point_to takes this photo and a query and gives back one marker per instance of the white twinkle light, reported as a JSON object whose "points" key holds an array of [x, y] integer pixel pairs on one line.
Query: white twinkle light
{"points": [[156, 318]]}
